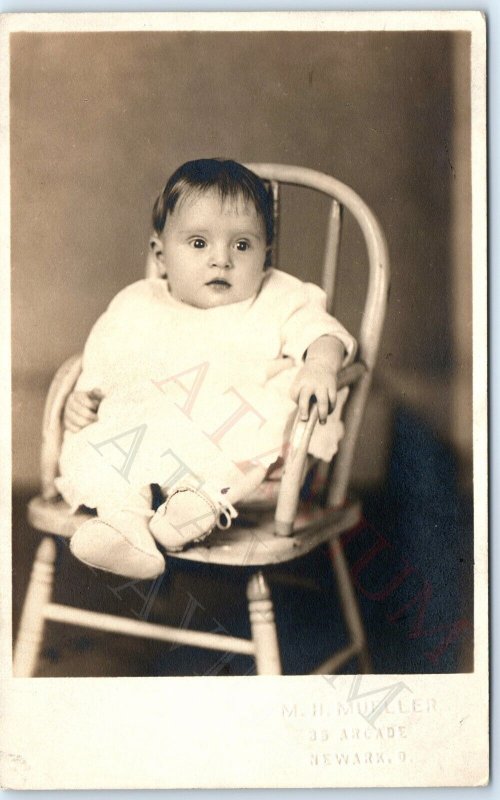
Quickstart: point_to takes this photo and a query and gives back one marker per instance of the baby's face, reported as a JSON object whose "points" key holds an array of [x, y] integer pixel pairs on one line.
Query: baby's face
{"points": [[212, 251]]}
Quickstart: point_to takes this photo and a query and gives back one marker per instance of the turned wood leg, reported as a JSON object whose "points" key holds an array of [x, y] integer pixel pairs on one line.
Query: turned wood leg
{"points": [[30, 635], [265, 639], [350, 606]]}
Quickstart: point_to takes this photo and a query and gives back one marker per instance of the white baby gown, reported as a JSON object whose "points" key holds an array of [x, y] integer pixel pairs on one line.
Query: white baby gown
{"points": [[198, 393]]}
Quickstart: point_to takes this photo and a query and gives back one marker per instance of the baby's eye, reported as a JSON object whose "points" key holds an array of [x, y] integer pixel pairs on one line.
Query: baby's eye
{"points": [[198, 243], [242, 246]]}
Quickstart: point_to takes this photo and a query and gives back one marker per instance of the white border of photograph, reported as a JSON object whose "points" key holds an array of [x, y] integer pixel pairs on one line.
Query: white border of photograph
{"points": [[140, 733]]}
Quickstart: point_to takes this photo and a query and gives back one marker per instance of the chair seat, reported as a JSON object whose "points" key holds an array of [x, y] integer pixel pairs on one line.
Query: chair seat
{"points": [[249, 542]]}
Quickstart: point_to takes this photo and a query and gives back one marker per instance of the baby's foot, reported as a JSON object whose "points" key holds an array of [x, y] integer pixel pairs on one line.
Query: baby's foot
{"points": [[120, 543], [189, 515]]}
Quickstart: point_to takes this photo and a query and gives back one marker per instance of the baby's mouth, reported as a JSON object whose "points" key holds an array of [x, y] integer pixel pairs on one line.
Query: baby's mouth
{"points": [[219, 283]]}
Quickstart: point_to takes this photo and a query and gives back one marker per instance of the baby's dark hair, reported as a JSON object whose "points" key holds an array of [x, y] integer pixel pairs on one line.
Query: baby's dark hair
{"points": [[228, 178]]}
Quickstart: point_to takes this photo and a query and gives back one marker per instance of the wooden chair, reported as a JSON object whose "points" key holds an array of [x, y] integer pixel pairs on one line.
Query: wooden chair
{"points": [[286, 531]]}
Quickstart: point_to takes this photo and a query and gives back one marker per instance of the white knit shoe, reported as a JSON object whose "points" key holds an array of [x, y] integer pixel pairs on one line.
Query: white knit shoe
{"points": [[190, 515], [120, 543]]}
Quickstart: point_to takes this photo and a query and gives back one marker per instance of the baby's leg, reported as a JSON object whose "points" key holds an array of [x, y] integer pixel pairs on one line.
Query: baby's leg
{"points": [[119, 539], [93, 472], [247, 484], [192, 511], [144, 438]]}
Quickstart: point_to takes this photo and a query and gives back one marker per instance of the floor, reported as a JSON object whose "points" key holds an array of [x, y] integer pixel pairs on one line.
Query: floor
{"points": [[411, 560]]}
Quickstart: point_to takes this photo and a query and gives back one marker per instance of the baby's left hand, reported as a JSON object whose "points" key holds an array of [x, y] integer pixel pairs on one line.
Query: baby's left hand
{"points": [[319, 380]]}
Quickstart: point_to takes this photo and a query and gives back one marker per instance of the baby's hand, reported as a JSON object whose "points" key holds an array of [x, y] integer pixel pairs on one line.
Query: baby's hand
{"points": [[81, 409], [319, 380]]}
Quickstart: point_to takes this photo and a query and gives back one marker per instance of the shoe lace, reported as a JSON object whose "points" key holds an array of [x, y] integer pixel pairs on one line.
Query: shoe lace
{"points": [[226, 512]]}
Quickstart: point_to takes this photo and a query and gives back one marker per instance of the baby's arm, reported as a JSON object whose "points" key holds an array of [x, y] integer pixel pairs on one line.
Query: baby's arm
{"points": [[318, 377], [81, 409], [99, 356]]}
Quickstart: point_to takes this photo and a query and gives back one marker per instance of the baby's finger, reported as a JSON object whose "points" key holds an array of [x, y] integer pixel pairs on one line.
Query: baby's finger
{"points": [[83, 400], [322, 401], [96, 395], [92, 401], [70, 426], [86, 414], [72, 423], [304, 402], [332, 397], [73, 417]]}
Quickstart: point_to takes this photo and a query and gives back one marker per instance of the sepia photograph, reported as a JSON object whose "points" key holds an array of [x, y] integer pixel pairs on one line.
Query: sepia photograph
{"points": [[248, 447]]}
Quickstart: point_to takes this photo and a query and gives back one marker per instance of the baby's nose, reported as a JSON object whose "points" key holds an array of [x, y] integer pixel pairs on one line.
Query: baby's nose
{"points": [[221, 257]]}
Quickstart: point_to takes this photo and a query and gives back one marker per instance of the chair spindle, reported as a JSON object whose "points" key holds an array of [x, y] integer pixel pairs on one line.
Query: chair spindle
{"points": [[332, 248], [275, 191]]}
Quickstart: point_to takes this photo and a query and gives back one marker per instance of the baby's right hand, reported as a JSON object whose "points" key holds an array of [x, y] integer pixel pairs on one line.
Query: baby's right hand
{"points": [[81, 409]]}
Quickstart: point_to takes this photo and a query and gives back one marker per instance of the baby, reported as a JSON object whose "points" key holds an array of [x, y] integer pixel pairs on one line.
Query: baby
{"points": [[191, 380]]}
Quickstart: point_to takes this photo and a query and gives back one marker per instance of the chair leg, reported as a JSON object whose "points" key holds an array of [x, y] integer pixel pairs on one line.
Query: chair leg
{"points": [[264, 636], [350, 606], [31, 628]]}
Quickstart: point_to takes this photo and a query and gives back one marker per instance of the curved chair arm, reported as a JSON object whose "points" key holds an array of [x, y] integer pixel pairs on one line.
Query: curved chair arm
{"points": [[295, 462], [61, 387]]}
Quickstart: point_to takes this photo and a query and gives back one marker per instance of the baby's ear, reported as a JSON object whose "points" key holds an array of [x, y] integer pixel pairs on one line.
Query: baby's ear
{"points": [[156, 259], [156, 247]]}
